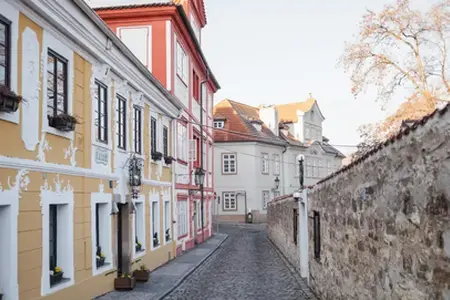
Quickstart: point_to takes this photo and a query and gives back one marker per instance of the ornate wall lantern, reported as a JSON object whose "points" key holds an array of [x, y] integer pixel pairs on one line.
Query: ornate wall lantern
{"points": [[199, 176], [135, 175], [277, 183]]}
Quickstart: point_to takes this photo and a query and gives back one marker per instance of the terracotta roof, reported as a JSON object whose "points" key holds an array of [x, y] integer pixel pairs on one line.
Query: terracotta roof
{"points": [[404, 131], [288, 112], [239, 118], [133, 6]]}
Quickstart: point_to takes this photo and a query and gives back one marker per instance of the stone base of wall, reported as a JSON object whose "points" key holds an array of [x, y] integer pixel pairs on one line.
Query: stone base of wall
{"points": [[257, 218]]}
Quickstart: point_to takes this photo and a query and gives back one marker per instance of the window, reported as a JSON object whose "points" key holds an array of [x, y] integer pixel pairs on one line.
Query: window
{"points": [[265, 196], [276, 164], [53, 236], [101, 112], [167, 219], [121, 130], [195, 86], [307, 135], [153, 144], [102, 236], [137, 129], [295, 226], [229, 201], [166, 141], [139, 227], [219, 124], [182, 142], [182, 64], [264, 163], [195, 27], [5, 51], [155, 222], [198, 215], [320, 168], [57, 100], [309, 171], [182, 218], [229, 163], [276, 194], [194, 151], [316, 228]]}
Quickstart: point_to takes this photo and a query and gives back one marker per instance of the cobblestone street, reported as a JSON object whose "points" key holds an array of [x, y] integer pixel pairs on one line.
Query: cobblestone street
{"points": [[246, 266]]}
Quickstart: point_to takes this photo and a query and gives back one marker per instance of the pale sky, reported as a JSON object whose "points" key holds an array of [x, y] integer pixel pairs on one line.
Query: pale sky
{"points": [[279, 51]]}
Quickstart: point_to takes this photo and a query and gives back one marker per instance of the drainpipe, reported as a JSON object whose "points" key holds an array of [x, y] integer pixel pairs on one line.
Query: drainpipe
{"points": [[283, 175], [201, 151]]}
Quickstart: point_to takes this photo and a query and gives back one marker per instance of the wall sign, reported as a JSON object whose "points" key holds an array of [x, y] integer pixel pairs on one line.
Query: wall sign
{"points": [[101, 156]]}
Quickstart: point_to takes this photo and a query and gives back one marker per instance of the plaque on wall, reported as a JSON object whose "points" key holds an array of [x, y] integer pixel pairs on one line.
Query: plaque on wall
{"points": [[101, 156]]}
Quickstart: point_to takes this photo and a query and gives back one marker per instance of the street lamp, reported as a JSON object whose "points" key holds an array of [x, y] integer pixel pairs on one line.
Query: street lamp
{"points": [[135, 175], [277, 183], [199, 176]]}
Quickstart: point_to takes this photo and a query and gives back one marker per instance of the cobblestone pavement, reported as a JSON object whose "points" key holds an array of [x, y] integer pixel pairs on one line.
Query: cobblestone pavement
{"points": [[246, 266]]}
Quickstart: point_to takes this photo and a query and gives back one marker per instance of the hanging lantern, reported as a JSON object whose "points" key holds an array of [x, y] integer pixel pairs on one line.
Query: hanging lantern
{"points": [[199, 176]]}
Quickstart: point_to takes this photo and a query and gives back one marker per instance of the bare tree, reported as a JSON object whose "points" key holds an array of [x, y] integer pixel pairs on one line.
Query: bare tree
{"points": [[401, 48]]}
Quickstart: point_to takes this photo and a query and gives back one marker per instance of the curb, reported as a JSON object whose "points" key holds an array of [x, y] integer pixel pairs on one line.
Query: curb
{"points": [[180, 281], [308, 294]]}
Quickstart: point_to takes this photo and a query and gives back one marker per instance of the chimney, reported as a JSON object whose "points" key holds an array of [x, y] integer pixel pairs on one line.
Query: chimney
{"points": [[269, 115]]}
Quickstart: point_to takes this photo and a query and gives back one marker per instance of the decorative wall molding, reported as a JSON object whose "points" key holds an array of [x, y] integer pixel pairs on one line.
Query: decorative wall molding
{"points": [[69, 153]]}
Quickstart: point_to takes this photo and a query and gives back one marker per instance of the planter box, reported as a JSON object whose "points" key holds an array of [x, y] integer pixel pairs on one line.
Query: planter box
{"points": [[142, 275], [157, 156], [100, 262], [56, 278], [168, 160], [62, 124], [124, 284], [9, 104]]}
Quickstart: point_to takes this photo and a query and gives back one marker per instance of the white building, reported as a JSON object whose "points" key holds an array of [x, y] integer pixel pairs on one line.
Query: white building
{"points": [[256, 150]]}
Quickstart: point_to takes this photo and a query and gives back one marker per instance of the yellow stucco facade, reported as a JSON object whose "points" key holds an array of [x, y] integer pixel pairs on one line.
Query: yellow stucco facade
{"points": [[39, 167]]}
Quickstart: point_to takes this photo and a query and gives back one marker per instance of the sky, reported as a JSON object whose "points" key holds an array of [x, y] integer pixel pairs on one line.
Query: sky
{"points": [[274, 52]]}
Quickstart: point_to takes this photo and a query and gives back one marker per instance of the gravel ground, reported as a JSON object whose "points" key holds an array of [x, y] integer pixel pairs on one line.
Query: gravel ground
{"points": [[246, 266]]}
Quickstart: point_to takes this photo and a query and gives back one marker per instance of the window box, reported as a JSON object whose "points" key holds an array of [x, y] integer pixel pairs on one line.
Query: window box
{"points": [[168, 235], [125, 283], [157, 156], [155, 240], [9, 101], [63, 122], [56, 277], [142, 275], [168, 160]]}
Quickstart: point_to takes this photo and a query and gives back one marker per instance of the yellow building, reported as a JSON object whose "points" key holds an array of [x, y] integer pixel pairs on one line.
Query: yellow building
{"points": [[65, 199]]}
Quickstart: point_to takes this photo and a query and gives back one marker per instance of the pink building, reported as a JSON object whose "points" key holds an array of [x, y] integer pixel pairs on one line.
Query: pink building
{"points": [[166, 37]]}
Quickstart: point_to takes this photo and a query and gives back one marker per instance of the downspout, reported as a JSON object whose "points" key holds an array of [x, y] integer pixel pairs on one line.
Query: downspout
{"points": [[283, 175], [202, 193]]}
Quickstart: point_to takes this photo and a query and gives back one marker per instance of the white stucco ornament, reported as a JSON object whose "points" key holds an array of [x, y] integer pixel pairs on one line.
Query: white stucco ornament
{"points": [[59, 189], [21, 182], [70, 153], [101, 188], [43, 146]]}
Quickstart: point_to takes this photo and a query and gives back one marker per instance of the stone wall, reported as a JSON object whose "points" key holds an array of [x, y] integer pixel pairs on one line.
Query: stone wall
{"points": [[385, 223], [280, 226]]}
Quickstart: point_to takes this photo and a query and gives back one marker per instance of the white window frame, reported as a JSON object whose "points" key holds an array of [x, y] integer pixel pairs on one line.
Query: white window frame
{"points": [[265, 163], [167, 220], [193, 150], [307, 133], [229, 157], [182, 65], [65, 236], [276, 164], [134, 107], [182, 217], [182, 141], [198, 215], [219, 124], [154, 198], [265, 198], [140, 215], [116, 124], [106, 236], [229, 196]]}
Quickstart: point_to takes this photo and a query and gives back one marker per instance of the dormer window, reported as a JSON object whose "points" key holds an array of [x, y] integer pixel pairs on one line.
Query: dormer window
{"points": [[257, 124], [219, 124]]}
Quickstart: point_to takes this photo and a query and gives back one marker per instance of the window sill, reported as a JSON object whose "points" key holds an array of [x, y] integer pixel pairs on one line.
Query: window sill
{"points": [[156, 247], [54, 131], [102, 145], [138, 254], [63, 280], [106, 267]]}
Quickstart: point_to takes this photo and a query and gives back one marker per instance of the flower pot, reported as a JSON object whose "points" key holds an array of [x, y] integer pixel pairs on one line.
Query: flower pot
{"points": [[156, 156], [141, 275], [62, 124], [138, 247], [56, 278], [168, 160], [124, 284], [167, 237], [100, 262], [9, 103]]}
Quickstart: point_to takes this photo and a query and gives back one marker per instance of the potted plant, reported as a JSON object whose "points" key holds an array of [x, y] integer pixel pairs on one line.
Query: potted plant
{"points": [[155, 239], [125, 282], [9, 101], [138, 245], [100, 260], [142, 274], [56, 276], [168, 160], [63, 122], [157, 156], [168, 234], [1, 294]]}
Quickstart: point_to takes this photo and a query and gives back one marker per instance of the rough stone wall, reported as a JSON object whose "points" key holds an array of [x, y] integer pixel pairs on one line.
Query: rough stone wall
{"points": [[280, 226], [385, 223]]}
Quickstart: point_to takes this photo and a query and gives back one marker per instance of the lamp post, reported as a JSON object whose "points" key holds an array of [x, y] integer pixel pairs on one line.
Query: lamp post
{"points": [[277, 183], [199, 179]]}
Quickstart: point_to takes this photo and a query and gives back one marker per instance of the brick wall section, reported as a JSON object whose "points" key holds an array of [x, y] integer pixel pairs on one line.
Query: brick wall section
{"points": [[385, 223], [280, 226]]}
